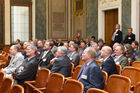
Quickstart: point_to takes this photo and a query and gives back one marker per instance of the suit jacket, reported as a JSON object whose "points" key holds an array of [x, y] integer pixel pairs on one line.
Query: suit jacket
{"points": [[109, 66], [62, 65], [28, 72], [15, 62], [92, 76], [45, 62], [81, 50], [74, 58], [118, 38], [123, 61], [129, 38]]}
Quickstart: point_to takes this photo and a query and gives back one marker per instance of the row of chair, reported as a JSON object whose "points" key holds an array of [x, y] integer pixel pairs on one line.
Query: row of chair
{"points": [[6, 85]]}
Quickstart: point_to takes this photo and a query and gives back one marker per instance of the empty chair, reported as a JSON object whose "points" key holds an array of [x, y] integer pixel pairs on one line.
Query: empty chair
{"points": [[99, 62], [6, 85], [137, 88], [54, 84], [118, 84], [119, 68], [17, 89], [136, 64], [2, 75], [40, 82], [133, 73], [73, 86], [95, 90]]}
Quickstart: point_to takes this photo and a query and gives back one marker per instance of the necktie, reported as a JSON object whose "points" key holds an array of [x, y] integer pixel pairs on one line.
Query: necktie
{"points": [[45, 52], [82, 71]]}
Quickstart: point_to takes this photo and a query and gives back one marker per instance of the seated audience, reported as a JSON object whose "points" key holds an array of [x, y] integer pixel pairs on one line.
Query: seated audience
{"points": [[61, 64], [59, 42], [18, 43], [93, 38], [39, 48], [16, 61], [24, 51], [95, 46], [120, 58], [28, 69], [77, 41], [129, 53], [100, 44], [73, 55], [46, 56], [87, 42], [90, 74], [114, 47], [108, 63], [83, 47], [130, 37], [67, 46], [135, 46]]}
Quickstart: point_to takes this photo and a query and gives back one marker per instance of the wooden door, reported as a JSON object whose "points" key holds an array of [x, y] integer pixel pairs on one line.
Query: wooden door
{"points": [[111, 19]]}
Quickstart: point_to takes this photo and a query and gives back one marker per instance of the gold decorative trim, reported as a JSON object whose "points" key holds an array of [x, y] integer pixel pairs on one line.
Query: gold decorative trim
{"points": [[79, 7]]}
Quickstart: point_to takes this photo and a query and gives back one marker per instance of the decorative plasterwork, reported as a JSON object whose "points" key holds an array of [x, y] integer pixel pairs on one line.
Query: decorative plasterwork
{"points": [[103, 4]]}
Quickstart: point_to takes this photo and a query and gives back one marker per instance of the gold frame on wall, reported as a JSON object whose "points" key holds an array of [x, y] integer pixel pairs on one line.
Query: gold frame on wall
{"points": [[78, 7]]}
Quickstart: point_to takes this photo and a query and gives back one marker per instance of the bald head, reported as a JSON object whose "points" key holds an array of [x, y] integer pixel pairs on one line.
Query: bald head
{"points": [[106, 51]]}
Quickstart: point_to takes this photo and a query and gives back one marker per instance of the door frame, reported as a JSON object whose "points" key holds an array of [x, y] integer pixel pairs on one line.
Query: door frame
{"points": [[101, 20]]}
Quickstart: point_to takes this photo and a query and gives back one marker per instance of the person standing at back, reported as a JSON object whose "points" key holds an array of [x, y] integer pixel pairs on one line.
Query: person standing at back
{"points": [[117, 35]]}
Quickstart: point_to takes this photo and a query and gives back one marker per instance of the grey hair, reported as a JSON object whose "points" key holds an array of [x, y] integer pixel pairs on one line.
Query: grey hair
{"points": [[63, 50], [122, 47], [94, 43], [16, 47], [91, 51], [108, 50], [33, 47]]}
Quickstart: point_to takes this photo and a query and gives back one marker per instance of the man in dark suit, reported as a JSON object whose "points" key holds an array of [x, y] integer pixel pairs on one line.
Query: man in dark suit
{"points": [[73, 55], [46, 56], [108, 64], [28, 69], [130, 37], [90, 74], [117, 35], [83, 47], [61, 64]]}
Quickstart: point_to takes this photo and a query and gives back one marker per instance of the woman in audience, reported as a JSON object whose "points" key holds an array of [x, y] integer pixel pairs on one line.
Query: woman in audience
{"points": [[129, 53]]}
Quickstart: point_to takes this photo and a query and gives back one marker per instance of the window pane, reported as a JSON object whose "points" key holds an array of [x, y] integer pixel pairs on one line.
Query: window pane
{"points": [[1, 23], [20, 23]]}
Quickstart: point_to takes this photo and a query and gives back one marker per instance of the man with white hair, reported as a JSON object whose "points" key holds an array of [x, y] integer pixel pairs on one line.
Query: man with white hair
{"points": [[61, 62], [90, 74], [28, 69], [16, 60], [108, 64]]}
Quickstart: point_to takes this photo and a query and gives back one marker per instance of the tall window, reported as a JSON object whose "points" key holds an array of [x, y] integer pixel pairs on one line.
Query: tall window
{"points": [[21, 20], [1, 22], [20, 23]]}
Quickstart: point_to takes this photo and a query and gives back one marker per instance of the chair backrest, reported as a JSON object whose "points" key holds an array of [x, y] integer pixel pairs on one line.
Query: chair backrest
{"points": [[99, 62], [72, 68], [17, 89], [2, 75], [81, 62], [42, 78], [136, 64], [133, 73], [6, 85], [119, 69], [55, 83], [137, 88], [73, 86], [105, 75], [76, 72], [118, 84], [95, 90]]}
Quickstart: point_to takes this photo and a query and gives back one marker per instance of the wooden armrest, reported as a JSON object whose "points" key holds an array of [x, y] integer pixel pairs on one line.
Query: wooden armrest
{"points": [[40, 90], [13, 74]]}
